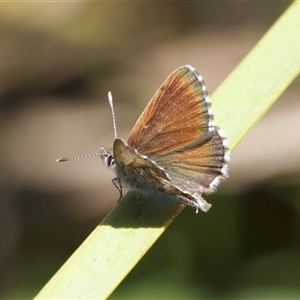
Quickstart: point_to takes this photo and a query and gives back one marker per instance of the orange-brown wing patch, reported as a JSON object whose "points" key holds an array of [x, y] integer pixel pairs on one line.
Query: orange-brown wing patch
{"points": [[178, 115]]}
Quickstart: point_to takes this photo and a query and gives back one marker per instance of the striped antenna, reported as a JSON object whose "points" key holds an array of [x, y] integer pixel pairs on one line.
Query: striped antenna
{"points": [[63, 159], [110, 100]]}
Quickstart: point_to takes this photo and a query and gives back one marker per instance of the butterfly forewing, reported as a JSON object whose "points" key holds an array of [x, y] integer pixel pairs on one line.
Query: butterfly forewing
{"points": [[177, 116]]}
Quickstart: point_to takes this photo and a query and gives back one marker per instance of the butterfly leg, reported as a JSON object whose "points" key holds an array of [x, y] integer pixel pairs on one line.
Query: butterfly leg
{"points": [[178, 210], [138, 210], [117, 183]]}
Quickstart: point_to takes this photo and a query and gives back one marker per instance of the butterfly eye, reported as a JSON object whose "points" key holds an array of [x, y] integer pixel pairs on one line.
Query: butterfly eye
{"points": [[109, 161]]}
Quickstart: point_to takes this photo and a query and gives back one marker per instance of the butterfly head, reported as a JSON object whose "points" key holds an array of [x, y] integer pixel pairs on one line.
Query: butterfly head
{"points": [[107, 156]]}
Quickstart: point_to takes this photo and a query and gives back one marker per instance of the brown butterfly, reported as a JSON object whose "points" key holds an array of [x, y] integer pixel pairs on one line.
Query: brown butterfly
{"points": [[174, 147]]}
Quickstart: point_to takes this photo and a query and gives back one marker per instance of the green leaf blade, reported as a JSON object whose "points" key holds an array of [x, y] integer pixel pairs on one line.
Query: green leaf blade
{"points": [[119, 242]]}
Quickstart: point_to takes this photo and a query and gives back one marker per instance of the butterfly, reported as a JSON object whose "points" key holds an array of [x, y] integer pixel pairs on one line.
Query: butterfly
{"points": [[175, 147]]}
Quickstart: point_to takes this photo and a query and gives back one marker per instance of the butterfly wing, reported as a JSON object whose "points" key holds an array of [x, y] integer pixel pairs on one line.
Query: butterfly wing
{"points": [[176, 130], [178, 115], [199, 168]]}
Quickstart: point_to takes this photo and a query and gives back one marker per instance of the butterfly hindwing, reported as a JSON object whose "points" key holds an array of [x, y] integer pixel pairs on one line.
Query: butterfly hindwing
{"points": [[199, 168]]}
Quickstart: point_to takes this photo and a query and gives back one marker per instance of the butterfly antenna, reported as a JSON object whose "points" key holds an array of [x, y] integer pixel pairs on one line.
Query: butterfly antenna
{"points": [[62, 159], [110, 100]]}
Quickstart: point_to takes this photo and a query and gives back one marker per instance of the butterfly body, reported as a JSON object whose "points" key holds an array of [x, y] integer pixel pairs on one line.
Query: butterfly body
{"points": [[174, 147]]}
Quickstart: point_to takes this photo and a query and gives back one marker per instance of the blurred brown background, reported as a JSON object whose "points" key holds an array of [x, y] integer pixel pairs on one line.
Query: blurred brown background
{"points": [[57, 63]]}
